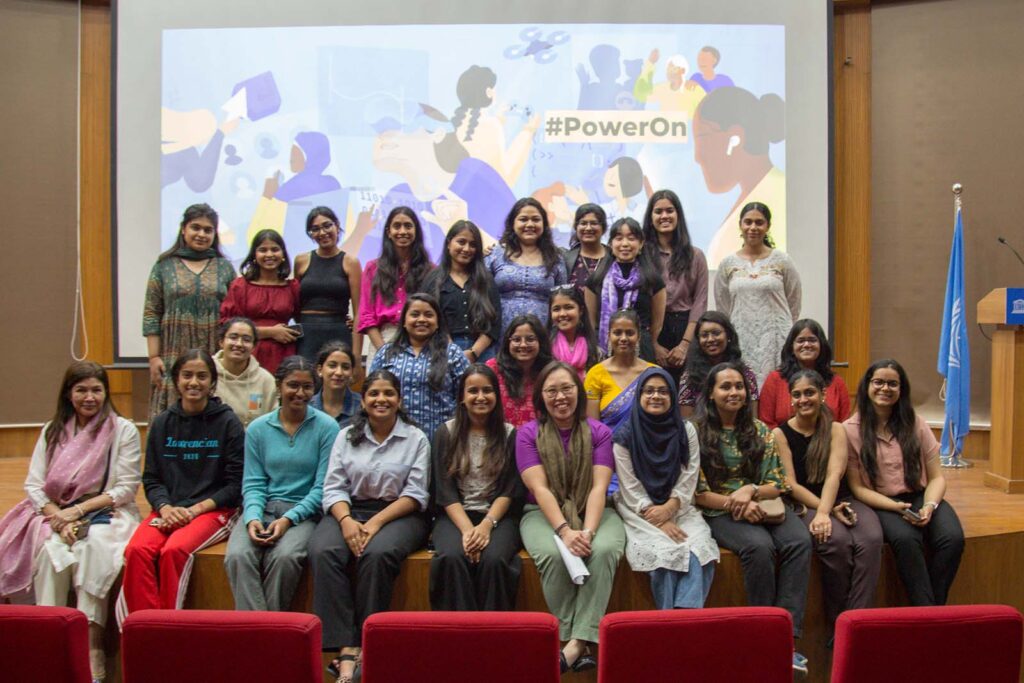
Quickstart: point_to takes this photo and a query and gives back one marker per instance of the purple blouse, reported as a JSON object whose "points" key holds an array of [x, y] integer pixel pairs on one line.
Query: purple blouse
{"points": [[527, 455]]}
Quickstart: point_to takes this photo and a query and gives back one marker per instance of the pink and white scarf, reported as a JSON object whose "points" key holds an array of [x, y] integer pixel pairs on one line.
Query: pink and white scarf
{"points": [[575, 355], [76, 467]]}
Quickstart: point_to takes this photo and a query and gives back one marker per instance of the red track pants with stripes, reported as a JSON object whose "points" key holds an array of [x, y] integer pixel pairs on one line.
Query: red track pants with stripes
{"points": [[157, 564]]}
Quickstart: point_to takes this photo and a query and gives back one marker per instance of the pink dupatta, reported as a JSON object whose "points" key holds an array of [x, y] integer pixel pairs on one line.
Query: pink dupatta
{"points": [[76, 467]]}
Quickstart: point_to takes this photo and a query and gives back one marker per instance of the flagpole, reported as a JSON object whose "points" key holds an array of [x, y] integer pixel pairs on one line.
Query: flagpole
{"points": [[954, 460]]}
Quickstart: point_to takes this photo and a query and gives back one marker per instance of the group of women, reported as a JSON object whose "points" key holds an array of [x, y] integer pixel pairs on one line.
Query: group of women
{"points": [[523, 399]]}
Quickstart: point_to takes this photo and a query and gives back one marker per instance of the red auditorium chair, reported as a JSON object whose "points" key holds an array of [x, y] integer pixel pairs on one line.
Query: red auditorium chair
{"points": [[715, 644], [43, 644], [170, 646], [935, 644], [468, 647]]}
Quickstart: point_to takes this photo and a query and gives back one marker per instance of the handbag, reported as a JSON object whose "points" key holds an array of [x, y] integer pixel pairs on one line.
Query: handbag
{"points": [[101, 516], [774, 510]]}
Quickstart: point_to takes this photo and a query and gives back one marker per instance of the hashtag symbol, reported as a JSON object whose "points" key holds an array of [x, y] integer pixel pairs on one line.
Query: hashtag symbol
{"points": [[553, 126]]}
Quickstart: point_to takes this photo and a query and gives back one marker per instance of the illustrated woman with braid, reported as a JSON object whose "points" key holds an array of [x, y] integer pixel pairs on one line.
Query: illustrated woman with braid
{"points": [[483, 133]]}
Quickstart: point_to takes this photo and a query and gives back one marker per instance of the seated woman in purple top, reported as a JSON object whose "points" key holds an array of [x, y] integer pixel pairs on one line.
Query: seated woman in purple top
{"points": [[566, 462]]}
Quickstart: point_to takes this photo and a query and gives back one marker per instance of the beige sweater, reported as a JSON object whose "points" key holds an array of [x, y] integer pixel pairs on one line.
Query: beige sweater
{"points": [[249, 394]]}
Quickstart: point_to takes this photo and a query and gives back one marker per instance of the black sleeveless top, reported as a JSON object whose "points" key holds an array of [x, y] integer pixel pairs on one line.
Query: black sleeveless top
{"points": [[798, 444], [324, 285]]}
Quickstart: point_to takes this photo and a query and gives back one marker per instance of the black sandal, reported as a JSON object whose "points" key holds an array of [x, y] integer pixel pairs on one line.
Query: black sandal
{"points": [[585, 662], [334, 668]]}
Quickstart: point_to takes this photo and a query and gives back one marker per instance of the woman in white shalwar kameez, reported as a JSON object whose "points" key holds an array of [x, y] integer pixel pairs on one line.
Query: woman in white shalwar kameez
{"points": [[80, 512], [657, 458]]}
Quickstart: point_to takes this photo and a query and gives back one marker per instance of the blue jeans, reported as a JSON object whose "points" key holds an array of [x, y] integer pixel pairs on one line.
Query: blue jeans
{"points": [[682, 590], [464, 341]]}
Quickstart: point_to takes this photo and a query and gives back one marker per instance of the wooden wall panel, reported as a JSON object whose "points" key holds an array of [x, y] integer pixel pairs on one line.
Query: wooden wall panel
{"points": [[852, 146]]}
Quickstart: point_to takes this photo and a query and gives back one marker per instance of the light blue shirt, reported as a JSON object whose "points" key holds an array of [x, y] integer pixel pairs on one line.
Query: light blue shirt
{"points": [[282, 467], [398, 466]]}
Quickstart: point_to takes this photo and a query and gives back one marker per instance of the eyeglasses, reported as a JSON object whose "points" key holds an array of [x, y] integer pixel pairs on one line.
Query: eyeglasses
{"points": [[323, 227], [588, 224], [523, 340], [566, 390], [880, 383], [807, 341], [650, 392]]}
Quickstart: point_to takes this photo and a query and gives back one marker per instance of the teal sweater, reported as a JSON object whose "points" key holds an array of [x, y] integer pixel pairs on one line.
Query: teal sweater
{"points": [[286, 468]]}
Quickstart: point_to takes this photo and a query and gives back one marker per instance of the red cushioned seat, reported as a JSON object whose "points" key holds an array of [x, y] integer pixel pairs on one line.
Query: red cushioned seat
{"points": [[973, 643], [719, 644], [43, 644], [468, 647], [170, 646]]}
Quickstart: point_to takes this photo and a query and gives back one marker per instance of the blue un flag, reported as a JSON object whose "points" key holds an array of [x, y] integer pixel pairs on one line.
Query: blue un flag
{"points": [[954, 354]]}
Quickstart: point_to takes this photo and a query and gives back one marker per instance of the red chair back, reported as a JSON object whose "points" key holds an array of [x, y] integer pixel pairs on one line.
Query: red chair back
{"points": [[934, 644], [43, 644], [170, 646], [468, 647], [719, 644]]}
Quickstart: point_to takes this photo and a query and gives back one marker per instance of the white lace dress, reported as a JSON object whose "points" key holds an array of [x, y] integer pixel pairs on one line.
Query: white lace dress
{"points": [[763, 301], [648, 547]]}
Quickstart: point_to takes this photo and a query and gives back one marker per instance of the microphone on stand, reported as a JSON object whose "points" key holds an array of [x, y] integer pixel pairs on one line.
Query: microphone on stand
{"points": [[1002, 240]]}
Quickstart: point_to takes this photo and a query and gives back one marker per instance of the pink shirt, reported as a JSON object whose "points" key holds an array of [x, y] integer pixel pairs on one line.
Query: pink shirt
{"points": [[376, 313], [889, 457]]}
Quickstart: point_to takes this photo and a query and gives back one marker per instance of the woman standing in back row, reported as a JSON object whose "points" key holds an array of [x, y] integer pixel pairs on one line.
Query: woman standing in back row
{"points": [[329, 279], [183, 296], [758, 287]]}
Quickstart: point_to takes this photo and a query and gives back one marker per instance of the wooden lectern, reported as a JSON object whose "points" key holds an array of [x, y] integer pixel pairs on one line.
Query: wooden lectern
{"points": [[1004, 308]]}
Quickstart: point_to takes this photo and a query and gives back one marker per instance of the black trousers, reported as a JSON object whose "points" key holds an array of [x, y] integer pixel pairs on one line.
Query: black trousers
{"points": [[672, 331], [342, 609], [760, 549], [456, 584], [928, 557]]}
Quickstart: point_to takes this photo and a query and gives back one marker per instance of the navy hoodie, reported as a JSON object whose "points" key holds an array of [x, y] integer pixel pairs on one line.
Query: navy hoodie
{"points": [[190, 458]]}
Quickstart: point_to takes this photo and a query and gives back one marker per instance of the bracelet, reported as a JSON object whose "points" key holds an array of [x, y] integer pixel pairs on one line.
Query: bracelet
{"points": [[344, 517], [475, 354], [757, 493], [81, 512], [935, 506], [588, 532], [494, 522], [558, 529]]}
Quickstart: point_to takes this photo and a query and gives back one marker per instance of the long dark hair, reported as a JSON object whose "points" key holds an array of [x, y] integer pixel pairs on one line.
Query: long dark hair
{"points": [[546, 243], [902, 425], [478, 284], [357, 431], [583, 327], [191, 213], [78, 371], [333, 346], [581, 213], [699, 363], [541, 408], [709, 430], [250, 270], [436, 346], [389, 267], [509, 367], [682, 248], [763, 208], [821, 441], [649, 274], [790, 365], [496, 452]]}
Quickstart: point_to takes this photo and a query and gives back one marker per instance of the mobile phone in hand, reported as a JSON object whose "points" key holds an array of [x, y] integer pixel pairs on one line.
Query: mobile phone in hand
{"points": [[912, 514], [297, 327]]}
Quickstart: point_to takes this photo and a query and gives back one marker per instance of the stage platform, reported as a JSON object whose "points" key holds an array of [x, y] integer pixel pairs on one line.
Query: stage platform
{"points": [[990, 572]]}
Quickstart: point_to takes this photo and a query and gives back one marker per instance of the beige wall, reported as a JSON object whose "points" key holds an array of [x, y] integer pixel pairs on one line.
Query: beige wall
{"points": [[38, 42], [947, 100]]}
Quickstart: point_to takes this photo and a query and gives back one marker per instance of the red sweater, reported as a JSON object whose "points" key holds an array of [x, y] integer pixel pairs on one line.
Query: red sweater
{"points": [[774, 405]]}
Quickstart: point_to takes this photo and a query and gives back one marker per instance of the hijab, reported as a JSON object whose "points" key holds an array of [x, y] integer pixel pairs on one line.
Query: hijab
{"points": [[657, 444]]}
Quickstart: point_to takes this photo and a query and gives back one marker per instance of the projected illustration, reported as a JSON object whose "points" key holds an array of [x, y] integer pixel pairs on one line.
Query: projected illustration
{"points": [[457, 121]]}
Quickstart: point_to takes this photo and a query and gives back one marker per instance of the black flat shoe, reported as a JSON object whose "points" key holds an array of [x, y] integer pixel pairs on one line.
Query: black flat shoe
{"points": [[563, 665], [585, 662], [334, 668]]}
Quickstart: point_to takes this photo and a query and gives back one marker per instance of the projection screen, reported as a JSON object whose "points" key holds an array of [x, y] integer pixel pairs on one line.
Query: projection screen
{"points": [[264, 110]]}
